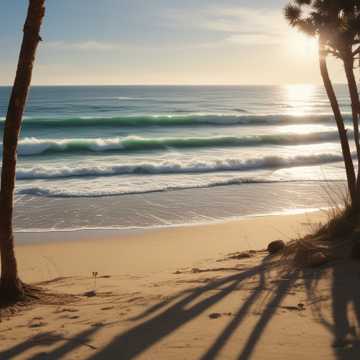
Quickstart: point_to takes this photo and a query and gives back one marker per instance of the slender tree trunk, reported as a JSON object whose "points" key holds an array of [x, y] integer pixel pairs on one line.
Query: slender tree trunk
{"points": [[10, 285], [355, 106], [349, 165]]}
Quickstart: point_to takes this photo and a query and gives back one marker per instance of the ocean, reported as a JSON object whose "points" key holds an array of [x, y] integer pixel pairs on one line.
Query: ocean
{"points": [[144, 156]]}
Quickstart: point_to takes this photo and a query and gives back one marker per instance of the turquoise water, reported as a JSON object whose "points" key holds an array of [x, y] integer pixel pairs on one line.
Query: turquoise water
{"points": [[106, 142]]}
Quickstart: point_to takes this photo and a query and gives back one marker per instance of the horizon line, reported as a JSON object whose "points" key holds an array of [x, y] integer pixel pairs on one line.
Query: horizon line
{"points": [[169, 85]]}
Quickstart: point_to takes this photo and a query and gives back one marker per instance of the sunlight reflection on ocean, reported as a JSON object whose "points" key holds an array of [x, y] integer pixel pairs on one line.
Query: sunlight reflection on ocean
{"points": [[101, 144]]}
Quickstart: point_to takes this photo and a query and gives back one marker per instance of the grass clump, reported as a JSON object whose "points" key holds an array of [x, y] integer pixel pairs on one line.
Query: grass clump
{"points": [[331, 241]]}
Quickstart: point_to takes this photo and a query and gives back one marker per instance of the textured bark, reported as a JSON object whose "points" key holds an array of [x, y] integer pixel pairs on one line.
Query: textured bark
{"points": [[349, 165], [10, 285], [355, 104]]}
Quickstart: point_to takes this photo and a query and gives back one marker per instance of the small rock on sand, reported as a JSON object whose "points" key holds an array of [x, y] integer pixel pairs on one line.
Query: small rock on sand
{"points": [[275, 247], [214, 315], [90, 293], [218, 315]]}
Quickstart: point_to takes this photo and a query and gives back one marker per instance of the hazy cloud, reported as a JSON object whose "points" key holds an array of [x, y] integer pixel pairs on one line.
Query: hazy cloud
{"points": [[83, 46], [240, 25]]}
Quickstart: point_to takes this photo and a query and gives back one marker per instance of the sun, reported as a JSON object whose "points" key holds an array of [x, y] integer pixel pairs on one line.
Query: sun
{"points": [[301, 45]]}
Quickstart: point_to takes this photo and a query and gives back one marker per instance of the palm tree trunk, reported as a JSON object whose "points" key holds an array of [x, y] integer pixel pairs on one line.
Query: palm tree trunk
{"points": [[349, 166], [355, 106], [10, 285]]}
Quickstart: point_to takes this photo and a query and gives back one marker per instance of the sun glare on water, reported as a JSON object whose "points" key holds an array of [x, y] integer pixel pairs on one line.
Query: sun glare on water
{"points": [[299, 99]]}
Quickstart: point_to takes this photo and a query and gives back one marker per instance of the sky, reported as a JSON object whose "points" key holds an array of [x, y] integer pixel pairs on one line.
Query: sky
{"points": [[226, 42]]}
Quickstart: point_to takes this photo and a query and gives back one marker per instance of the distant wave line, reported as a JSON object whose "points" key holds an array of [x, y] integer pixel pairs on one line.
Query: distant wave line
{"points": [[175, 120], [36, 146]]}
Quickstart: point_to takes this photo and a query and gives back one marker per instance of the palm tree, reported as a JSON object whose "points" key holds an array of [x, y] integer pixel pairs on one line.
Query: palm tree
{"points": [[10, 285], [336, 25], [350, 27]]}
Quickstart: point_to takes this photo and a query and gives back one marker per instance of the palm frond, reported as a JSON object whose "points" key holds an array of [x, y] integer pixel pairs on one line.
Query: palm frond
{"points": [[292, 14]]}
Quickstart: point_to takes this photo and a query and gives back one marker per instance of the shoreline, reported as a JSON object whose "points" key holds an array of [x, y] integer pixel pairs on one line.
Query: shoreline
{"points": [[175, 208], [137, 229], [43, 256]]}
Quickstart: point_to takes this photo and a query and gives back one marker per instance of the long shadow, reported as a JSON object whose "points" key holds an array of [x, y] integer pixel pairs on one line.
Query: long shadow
{"points": [[49, 339], [236, 321], [174, 313], [187, 305], [135, 341], [345, 292], [279, 293], [45, 339]]}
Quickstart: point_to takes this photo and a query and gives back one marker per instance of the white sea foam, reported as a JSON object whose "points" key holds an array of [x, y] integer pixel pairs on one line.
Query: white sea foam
{"points": [[175, 166], [34, 146]]}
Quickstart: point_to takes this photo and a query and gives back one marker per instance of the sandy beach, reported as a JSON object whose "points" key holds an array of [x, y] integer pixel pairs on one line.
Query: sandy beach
{"points": [[150, 250], [180, 293], [169, 190]]}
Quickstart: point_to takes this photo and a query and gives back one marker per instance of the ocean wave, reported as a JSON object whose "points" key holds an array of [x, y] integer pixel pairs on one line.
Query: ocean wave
{"points": [[175, 120], [96, 192], [70, 193], [34, 146], [174, 167], [128, 98]]}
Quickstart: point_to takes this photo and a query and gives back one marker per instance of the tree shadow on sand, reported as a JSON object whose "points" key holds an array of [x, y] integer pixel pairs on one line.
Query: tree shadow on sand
{"points": [[166, 317], [49, 339], [345, 291], [137, 340], [345, 295]]}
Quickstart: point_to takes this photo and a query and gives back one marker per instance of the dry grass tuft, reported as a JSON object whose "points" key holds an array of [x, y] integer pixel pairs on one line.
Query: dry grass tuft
{"points": [[327, 242]]}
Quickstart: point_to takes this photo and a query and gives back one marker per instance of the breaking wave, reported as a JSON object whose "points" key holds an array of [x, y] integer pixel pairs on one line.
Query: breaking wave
{"points": [[174, 167], [35, 146]]}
